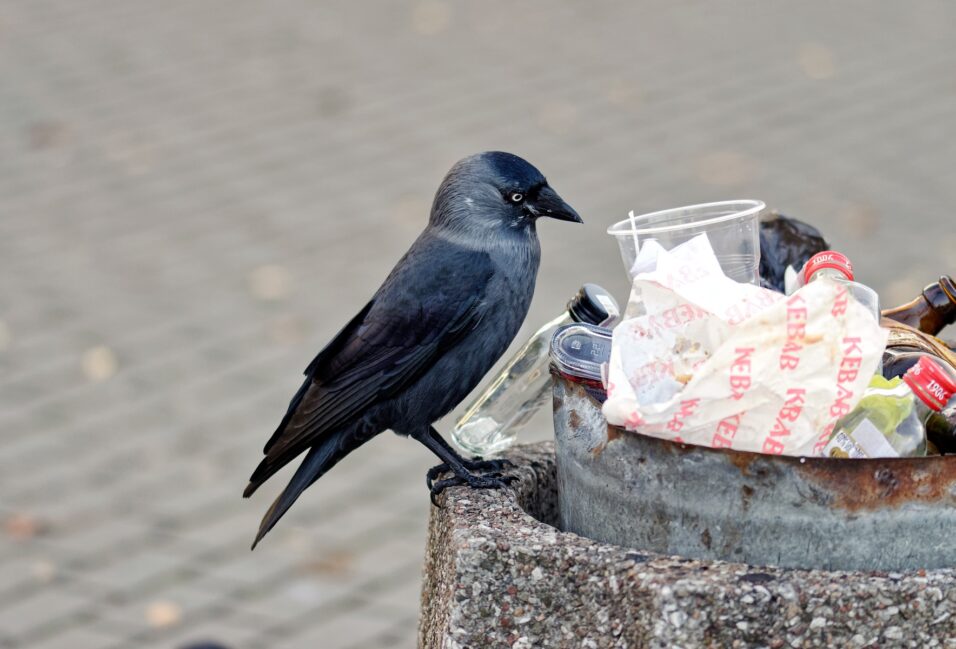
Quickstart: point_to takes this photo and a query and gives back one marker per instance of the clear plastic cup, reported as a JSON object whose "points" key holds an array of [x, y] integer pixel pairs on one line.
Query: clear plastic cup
{"points": [[731, 226]]}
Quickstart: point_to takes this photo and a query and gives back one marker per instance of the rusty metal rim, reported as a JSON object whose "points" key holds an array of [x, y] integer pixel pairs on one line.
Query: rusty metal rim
{"points": [[854, 483], [748, 456]]}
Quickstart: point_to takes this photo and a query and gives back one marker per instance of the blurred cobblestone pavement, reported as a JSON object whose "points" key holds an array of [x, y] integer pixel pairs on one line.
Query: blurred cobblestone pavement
{"points": [[196, 194]]}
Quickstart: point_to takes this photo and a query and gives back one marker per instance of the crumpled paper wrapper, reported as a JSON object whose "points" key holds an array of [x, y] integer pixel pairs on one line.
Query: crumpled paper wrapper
{"points": [[714, 362]]}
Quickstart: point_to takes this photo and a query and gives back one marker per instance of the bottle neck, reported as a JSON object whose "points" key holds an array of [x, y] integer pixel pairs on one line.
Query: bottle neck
{"points": [[922, 410], [934, 309], [941, 297], [550, 326], [832, 273], [921, 402]]}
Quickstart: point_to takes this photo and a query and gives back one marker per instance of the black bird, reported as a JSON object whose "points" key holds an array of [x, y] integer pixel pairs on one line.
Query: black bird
{"points": [[445, 314]]}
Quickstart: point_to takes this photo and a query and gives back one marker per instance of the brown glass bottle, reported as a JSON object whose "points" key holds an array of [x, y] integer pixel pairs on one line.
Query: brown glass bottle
{"points": [[932, 310], [941, 430]]}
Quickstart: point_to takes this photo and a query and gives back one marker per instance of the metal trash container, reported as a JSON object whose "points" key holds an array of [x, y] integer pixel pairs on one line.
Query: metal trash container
{"points": [[642, 492]]}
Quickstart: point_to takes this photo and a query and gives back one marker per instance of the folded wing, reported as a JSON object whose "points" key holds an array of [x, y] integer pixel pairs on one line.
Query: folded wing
{"points": [[421, 311]]}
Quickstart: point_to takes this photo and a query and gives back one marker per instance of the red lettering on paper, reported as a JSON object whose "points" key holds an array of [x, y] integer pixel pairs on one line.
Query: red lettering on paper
{"points": [[849, 369], [726, 429], [740, 372], [841, 301], [686, 409], [653, 372], [754, 303], [796, 332], [841, 405], [793, 406], [633, 420], [853, 347], [847, 374], [684, 275], [772, 446], [789, 412], [670, 319]]}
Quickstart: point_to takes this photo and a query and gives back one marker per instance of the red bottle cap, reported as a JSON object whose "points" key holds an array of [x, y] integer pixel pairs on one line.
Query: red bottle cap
{"points": [[827, 259], [930, 382]]}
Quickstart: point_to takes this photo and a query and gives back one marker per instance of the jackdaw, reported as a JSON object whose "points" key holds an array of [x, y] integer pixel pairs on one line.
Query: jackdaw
{"points": [[445, 314]]}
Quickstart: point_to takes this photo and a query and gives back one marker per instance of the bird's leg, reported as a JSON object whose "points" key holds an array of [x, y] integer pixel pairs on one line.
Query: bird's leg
{"points": [[459, 466], [474, 464]]}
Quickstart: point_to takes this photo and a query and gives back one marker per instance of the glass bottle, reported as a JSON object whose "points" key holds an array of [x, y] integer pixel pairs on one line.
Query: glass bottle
{"points": [[491, 422], [834, 265], [890, 420], [941, 429], [934, 309], [897, 361]]}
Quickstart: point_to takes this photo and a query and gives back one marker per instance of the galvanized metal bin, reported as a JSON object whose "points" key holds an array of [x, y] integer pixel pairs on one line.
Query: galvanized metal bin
{"points": [[697, 502]]}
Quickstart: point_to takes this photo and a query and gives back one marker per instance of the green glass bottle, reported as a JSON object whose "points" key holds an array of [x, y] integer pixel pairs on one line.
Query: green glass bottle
{"points": [[890, 420]]}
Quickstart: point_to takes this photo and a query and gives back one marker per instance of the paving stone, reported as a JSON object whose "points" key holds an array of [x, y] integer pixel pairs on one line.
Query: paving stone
{"points": [[399, 590], [296, 597], [231, 630], [358, 626], [34, 612], [157, 156], [79, 637], [128, 567], [179, 604]]}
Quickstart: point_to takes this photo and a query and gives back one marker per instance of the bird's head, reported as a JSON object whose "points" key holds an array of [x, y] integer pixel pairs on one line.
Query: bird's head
{"points": [[496, 191]]}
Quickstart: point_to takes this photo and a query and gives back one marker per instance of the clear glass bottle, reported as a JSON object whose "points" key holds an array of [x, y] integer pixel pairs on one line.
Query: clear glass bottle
{"points": [[890, 420], [836, 266], [492, 421]]}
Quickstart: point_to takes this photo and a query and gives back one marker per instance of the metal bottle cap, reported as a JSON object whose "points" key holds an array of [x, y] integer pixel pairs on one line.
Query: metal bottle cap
{"points": [[827, 259], [930, 382], [594, 305]]}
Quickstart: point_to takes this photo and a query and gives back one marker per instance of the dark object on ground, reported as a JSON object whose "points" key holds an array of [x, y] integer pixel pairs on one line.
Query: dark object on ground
{"points": [[204, 645], [445, 314], [785, 241]]}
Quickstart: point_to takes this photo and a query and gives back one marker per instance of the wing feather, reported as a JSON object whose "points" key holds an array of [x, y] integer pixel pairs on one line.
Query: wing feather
{"points": [[420, 312]]}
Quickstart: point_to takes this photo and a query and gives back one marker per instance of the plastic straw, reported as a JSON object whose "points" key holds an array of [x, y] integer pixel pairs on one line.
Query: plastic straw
{"points": [[630, 215]]}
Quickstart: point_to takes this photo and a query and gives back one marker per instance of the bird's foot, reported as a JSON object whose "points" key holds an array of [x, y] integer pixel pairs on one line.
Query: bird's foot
{"points": [[486, 481], [475, 464]]}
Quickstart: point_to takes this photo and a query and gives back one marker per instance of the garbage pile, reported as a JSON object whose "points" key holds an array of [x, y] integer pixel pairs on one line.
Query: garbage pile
{"points": [[796, 361], [742, 333]]}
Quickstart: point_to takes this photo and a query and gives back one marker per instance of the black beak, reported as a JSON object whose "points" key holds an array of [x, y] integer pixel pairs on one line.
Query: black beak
{"points": [[548, 203]]}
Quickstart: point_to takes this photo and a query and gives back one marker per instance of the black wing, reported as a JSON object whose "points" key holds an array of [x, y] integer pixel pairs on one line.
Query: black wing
{"points": [[432, 298]]}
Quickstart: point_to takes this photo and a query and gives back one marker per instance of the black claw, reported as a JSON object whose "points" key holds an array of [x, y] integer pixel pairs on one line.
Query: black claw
{"points": [[433, 473], [475, 464], [487, 465], [441, 485], [486, 481]]}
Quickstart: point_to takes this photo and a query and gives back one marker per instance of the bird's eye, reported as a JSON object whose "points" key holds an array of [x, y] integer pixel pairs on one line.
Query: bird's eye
{"points": [[516, 197]]}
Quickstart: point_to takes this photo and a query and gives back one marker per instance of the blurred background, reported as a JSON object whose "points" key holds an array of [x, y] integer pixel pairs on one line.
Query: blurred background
{"points": [[195, 195]]}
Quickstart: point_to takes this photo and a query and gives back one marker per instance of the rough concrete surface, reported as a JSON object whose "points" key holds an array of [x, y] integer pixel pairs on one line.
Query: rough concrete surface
{"points": [[195, 195], [496, 576]]}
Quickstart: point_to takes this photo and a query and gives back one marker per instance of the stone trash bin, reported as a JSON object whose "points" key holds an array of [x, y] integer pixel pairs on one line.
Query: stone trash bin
{"points": [[500, 573]]}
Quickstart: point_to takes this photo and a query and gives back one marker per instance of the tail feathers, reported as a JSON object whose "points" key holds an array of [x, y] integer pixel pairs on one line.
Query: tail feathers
{"points": [[263, 472], [319, 459]]}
